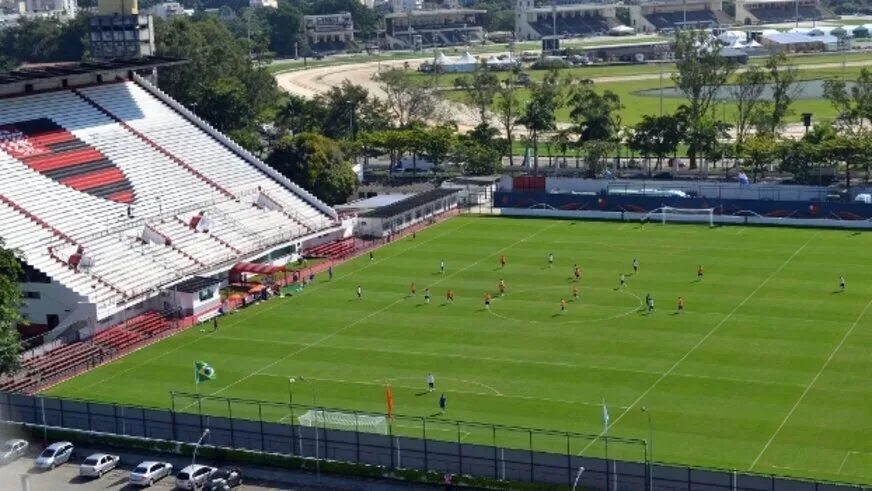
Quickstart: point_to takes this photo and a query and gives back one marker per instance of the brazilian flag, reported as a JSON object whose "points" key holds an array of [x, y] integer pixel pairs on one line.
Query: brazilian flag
{"points": [[203, 372]]}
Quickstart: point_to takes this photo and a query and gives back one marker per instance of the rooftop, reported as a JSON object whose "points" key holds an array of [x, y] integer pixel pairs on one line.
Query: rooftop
{"points": [[195, 284], [409, 203], [61, 70]]}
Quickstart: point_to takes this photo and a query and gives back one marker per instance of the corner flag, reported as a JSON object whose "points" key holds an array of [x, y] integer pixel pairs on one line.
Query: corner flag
{"points": [[203, 372], [605, 417], [389, 399]]}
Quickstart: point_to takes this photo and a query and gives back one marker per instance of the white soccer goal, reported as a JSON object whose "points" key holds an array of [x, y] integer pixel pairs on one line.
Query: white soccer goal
{"points": [[344, 421], [694, 215]]}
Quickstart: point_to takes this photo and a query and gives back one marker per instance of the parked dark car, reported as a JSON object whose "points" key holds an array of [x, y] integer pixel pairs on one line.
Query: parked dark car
{"points": [[224, 478]]}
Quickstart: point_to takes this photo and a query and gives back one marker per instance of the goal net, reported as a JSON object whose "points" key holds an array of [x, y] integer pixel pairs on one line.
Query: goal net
{"points": [[693, 215], [344, 421]]}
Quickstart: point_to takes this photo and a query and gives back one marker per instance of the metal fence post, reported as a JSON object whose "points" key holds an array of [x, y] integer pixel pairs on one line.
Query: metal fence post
{"points": [[87, 412], [144, 427], [61, 401], [200, 410], [357, 435], [459, 450], [568, 459], [426, 452], [230, 417], [496, 465], [263, 438], [688, 479], [532, 472]]}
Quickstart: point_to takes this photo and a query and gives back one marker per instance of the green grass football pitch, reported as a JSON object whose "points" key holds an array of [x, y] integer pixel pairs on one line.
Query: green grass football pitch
{"points": [[767, 370]]}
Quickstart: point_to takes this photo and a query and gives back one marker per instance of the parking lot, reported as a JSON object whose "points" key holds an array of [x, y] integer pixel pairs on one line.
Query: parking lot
{"points": [[66, 477]]}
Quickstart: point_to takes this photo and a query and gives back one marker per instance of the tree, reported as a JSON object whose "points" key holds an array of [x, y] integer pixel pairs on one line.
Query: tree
{"points": [[407, 101], [701, 71], [507, 108], [349, 109], [299, 115], [757, 152], [438, 144], [318, 164], [781, 77], [218, 70], [595, 116], [539, 114], [478, 159], [853, 106], [479, 89], [224, 103], [656, 135], [392, 142], [747, 92], [10, 305]]}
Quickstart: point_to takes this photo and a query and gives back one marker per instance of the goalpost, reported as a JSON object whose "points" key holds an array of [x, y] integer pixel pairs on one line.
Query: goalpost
{"points": [[694, 215], [344, 421]]}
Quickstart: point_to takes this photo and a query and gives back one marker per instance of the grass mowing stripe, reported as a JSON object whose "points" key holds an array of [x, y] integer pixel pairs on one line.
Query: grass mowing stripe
{"points": [[436, 354], [371, 314], [811, 384], [703, 340], [239, 320]]}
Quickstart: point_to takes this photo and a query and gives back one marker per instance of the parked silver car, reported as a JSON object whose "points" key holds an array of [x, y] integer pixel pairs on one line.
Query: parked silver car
{"points": [[193, 476], [13, 450], [98, 464], [148, 473], [54, 455]]}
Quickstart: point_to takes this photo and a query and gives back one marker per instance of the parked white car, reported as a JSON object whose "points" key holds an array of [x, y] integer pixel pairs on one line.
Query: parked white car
{"points": [[193, 475], [54, 455], [148, 473], [98, 464], [13, 450]]}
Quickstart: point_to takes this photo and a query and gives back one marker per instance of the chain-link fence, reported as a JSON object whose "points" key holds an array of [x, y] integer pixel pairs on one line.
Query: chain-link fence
{"points": [[401, 442]]}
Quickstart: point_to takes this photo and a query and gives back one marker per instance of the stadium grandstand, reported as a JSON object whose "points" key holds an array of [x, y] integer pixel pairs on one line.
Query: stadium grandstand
{"points": [[329, 33], [114, 192], [563, 19], [670, 15], [417, 29], [778, 11]]}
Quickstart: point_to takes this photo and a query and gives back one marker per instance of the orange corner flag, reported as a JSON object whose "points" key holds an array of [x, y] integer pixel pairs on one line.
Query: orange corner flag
{"points": [[389, 399]]}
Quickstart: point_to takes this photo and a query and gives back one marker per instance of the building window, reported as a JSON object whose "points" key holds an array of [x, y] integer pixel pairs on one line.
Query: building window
{"points": [[34, 295]]}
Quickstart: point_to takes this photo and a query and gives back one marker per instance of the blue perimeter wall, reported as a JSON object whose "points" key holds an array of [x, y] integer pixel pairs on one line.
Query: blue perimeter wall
{"points": [[602, 202]]}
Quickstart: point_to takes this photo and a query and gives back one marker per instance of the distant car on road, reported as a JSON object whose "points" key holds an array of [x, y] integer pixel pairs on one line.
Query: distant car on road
{"points": [[224, 478], [148, 473], [98, 464], [12, 450], [193, 476], [54, 455]]}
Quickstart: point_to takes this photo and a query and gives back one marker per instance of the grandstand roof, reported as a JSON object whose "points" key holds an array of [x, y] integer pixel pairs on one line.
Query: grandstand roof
{"points": [[409, 203], [45, 72], [433, 12], [195, 284]]}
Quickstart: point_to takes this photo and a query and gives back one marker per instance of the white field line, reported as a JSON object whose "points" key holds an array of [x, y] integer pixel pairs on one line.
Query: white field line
{"points": [[701, 341], [380, 383], [371, 314], [276, 303], [811, 384], [439, 355], [844, 461]]}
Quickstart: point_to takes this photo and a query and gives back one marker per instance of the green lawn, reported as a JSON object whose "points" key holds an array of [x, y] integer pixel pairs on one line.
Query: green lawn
{"points": [[636, 105], [768, 369]]}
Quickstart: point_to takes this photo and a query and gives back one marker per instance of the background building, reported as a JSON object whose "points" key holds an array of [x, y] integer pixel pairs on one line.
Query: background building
{"points": [[325, 33]]}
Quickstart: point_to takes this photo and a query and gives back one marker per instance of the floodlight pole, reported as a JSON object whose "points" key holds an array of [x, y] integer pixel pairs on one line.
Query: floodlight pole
{"points": [[197, 446], [650, 431], [577, 477]]}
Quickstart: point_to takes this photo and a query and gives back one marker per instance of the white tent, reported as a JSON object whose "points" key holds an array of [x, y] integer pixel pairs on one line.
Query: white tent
{"points": [[467, 58], [737, 44], [753, 44], [621, 30], [441, 59], [463, 64], [729, 37], [506, 63]]}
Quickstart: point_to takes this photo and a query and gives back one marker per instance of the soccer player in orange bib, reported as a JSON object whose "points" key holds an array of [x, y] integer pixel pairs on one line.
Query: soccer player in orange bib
{"points": [[487, 300], [503, 261], [450, 295], [412, 289], [502, 287], [575, 292]]}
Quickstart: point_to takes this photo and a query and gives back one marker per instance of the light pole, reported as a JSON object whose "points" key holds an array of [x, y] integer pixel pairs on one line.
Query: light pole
{"points": [[314, 409], [197, 446]]}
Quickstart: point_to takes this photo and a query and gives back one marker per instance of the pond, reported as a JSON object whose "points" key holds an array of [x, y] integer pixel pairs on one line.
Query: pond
{"points": [[808, 89]]}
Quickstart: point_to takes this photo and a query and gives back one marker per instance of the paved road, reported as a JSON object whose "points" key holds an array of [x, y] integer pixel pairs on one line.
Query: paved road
{"points": [[66, 477]]}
